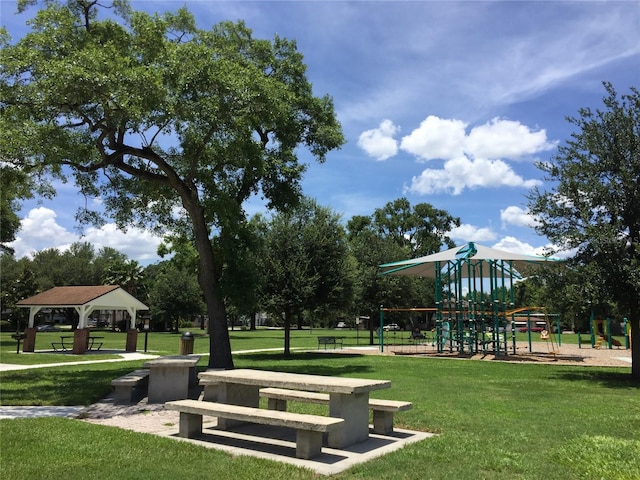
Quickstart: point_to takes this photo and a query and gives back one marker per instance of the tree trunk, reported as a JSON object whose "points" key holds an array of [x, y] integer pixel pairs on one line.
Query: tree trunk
{"points": [[634, 320], [208, 277], [287, 333]]}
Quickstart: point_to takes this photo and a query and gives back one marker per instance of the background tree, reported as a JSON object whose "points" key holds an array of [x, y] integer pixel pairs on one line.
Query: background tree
{"points": [[152, 113], [396, 232], [17, 281], [593, 205], [174, 295], [13, 187], [421, 230], [305, 264]]}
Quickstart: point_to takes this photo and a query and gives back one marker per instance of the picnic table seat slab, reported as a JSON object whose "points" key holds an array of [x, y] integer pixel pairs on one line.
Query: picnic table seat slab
{"points": [[309, 428], [383, 410], [126, 387]]}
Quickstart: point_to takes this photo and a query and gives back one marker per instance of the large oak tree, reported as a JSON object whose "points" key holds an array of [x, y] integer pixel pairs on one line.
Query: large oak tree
{"points": [[174, 127], [593, 205]]}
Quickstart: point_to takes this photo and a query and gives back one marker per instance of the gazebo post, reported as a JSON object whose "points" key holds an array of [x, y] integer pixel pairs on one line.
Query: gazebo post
{"points": [[80, 340], [29, 344], [132, 332]]}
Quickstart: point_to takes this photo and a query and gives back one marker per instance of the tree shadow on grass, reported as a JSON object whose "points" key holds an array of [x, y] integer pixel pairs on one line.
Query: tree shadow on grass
{"points": [[309, 363], [58, 387], [605, 378]]}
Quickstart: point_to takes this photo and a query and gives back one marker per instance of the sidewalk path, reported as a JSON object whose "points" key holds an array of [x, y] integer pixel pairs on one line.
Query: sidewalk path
{"points": [[32, 412], [125, 356]]}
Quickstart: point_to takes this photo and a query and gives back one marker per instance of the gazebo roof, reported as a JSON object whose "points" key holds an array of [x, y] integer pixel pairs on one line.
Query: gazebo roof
{"points": [[101, 297]]}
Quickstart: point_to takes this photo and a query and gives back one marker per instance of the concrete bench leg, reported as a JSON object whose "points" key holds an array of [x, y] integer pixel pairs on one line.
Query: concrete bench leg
{"points": [[190, 425], [308, 444], [382, 422], [123, 394], [277, 404], [210, 393]]}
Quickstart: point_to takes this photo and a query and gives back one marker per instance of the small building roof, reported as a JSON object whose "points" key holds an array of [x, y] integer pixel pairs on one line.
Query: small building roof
{"points": [[84, 299]]}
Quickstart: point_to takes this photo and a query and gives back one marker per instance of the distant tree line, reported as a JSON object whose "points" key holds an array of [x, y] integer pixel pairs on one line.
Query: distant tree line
{"points": [[302, 268]]}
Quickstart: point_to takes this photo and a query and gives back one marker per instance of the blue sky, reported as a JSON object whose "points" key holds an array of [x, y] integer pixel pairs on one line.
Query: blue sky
{"points": [[448, 103]]}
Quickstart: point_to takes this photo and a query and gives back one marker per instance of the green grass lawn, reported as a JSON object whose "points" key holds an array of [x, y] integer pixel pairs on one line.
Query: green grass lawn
{"points": [[494, 420]]}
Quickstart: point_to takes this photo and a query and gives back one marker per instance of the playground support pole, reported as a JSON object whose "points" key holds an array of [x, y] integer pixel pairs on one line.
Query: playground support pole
{"points": [[529, 330], [381, 330], [609, 340], [626, 333], [593, 338]]}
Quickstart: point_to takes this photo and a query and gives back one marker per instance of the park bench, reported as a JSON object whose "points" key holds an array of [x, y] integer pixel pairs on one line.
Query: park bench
{"points": [[383, 410], [127, 385], [309, 428], [329, 341]]}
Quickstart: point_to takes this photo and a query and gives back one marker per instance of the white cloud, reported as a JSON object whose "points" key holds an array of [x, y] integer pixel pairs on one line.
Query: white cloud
{"points": [[471, 233], [379, 142], [513, 245], [40, 230], [501, 138], [520, 217], [436, 138], [478, 159], [461, 173]]}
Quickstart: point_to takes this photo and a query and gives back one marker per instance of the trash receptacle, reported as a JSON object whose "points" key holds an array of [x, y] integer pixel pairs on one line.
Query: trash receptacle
{"points": [[186, 343]]}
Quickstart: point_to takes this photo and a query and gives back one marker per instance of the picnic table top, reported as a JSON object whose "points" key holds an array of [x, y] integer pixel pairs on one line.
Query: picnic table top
{"points": [[173, 361], [296, 381]]}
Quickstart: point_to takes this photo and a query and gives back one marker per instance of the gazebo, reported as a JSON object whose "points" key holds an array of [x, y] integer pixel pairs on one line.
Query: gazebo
{"points": [[84, 299]]}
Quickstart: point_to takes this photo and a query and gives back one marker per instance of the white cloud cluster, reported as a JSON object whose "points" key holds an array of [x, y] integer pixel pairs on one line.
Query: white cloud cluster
{"points": [[471, 160], [517, 216], [379, 142], [513, 245], [40, 230], [471, 233]]}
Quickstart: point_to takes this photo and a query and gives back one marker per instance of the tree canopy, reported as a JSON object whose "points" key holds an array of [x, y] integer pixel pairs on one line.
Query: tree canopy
{"points": [[305, 264], [174, 127], [593, 206]]}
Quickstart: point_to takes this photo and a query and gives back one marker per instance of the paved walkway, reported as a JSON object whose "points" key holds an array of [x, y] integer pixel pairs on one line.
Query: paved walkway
{"points": [[124, 356]]}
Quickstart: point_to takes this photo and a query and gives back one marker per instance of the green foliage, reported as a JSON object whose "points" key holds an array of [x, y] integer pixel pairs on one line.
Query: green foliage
{"points": [[593, 205], [174, 295], [421, 230], [172, 126], [305, 264], [396, 232]]}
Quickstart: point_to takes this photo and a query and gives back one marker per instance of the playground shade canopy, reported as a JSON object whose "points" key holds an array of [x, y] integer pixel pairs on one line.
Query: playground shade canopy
{"points": [[84, 299], [480, 258]]}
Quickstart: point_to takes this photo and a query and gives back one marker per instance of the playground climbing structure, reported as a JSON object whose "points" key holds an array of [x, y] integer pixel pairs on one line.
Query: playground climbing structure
{"points": [[474, 296]]}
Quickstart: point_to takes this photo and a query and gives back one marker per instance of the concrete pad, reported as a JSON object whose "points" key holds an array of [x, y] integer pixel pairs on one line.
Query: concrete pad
{"points": [[279, 444], [33, 412]]}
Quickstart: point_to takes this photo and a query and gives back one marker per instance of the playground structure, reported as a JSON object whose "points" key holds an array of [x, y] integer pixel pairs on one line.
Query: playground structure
{"points": [[484, 334], [472, 312], [601, 332]]}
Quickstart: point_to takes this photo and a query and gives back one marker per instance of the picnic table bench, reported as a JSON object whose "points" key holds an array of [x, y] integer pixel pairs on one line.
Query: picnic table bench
{"points": [[329, 340], [383, 410], [128, 384], [309, 428]]}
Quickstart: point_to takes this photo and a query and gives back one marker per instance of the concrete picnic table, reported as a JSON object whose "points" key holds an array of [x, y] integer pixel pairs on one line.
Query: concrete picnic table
{"points": [[170, 377], [348, 397]]}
